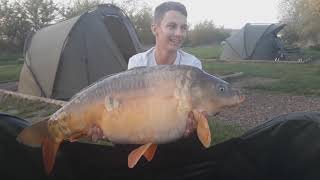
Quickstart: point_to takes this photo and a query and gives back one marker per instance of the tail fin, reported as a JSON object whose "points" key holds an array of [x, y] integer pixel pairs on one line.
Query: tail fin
{"points": [[37, 135]]}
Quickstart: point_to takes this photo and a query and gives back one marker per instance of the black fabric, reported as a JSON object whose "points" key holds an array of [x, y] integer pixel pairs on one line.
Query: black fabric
{"points": [[287, 147]]}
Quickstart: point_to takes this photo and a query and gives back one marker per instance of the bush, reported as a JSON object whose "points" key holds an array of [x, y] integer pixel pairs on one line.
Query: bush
{"points": [[206, 33]]}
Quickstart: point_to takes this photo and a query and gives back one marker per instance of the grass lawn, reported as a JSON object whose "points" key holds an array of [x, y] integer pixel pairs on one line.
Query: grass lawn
{"points": [[312, 53], [9, 59], [205, 52], [10, 67], [301, 79], [10, 72], [221, 132]]}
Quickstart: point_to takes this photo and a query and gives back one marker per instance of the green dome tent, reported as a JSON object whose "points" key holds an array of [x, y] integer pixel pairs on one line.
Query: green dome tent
{"points": [[253, 41], [63, 58]]}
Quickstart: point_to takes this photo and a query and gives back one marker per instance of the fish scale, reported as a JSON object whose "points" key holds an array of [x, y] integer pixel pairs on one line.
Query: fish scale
{"points": [[136, 80]]}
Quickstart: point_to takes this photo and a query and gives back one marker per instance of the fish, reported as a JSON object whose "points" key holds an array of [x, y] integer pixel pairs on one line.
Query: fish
{"points": [[146, 106]]}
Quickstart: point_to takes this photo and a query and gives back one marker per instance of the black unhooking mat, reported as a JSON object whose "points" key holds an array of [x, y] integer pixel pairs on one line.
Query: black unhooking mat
{"points": [[286, 147]]}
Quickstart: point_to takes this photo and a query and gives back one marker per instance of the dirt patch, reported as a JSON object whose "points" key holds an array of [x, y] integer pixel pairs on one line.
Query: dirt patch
{"points": [[260, 107]]}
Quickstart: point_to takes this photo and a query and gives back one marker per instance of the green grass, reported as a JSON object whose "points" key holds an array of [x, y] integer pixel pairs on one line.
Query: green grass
{"points": [[301, 79], [205, 52], [222, 132], [9, 59], [311, 53], [10, 72]]}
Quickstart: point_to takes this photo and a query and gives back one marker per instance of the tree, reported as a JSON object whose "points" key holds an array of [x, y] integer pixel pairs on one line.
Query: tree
{"points": [[14, 25], [40, 13], [315, 6], [78, 7], [134, 7], [18, 18], [303, 20], [206, 33], [142, 21]]}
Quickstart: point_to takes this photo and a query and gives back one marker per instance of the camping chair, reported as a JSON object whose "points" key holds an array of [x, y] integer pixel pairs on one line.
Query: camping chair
{"points": [[290, 54]]}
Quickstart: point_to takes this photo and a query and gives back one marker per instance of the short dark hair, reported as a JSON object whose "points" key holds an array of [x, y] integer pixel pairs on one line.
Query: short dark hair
{"points": [[168, 6]]}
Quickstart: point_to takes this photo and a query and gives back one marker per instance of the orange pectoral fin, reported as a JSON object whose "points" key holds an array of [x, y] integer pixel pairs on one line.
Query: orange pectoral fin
{"points": [[147, 150], [49, 151], [149, 154], [203, 130]]}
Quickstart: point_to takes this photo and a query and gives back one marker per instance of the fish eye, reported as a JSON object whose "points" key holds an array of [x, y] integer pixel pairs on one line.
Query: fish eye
{"points": [[221, 88]]}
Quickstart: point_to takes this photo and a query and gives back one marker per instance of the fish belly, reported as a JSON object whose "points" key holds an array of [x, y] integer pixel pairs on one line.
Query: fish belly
{"points": [[142, 120]]}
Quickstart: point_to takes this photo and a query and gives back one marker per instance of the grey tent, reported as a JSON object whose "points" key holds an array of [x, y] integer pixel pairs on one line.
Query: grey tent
{"points": [[63, 58], [253, 41]]}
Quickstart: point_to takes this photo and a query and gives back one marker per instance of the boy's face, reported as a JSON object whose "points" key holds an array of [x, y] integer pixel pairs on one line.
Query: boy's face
{"points": [[171, 31]]}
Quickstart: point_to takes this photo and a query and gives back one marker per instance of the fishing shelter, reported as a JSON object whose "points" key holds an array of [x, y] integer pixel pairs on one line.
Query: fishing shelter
{"points": [[253, 41], [63, 58]]}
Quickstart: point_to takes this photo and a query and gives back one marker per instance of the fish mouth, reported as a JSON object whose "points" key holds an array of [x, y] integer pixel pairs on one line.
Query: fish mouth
{"points": [[211, 114], [241, 98], [216, 114], [233, 102]]}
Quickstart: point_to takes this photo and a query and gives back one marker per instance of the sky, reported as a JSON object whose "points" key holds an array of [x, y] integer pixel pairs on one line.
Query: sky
{"points": [[232, 14], [229, 13]]}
